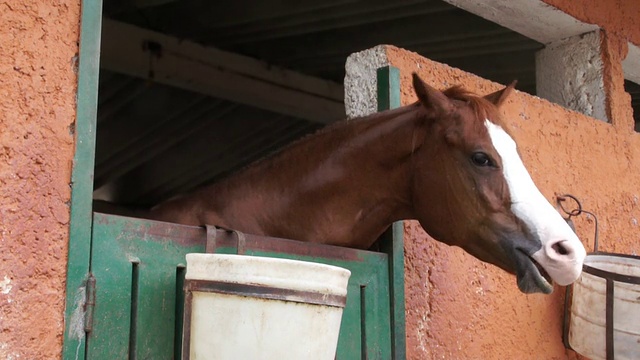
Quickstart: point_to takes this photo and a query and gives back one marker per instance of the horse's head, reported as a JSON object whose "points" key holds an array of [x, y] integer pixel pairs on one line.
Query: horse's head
{"points": [[472, 190]]}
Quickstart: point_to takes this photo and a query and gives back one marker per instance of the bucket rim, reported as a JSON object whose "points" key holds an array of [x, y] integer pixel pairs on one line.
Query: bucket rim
{"points": [[269, 272], [629, 279]]}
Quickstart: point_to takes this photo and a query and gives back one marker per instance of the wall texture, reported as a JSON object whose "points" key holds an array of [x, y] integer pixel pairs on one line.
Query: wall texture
{"points": [[457, 307], [460, 308], [619, 17], [38, 42]]}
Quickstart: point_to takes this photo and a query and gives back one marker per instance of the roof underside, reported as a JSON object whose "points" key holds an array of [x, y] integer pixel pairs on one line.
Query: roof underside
{"points": [[155, 141]]}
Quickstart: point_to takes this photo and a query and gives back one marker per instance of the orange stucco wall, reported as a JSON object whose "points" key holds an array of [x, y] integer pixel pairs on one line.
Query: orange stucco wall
{"points": [[460, 308], [457, 307], [618, 17], [38, 46]]}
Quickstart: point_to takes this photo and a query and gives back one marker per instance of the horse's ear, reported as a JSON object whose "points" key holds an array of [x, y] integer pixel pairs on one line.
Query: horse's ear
{"points": [[498, 97], [434, 101]]}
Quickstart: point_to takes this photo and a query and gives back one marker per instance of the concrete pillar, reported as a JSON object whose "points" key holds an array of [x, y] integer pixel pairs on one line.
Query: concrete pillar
{"points": [[569, 72], [631, 63], [361, 81], [631, 69]]}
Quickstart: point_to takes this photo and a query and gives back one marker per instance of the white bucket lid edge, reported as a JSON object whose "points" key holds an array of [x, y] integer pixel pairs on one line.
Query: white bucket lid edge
{"points": [[265, 271]]}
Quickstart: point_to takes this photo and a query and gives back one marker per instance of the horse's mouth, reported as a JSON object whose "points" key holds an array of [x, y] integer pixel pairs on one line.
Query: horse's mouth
{"points": [[532, 277]]}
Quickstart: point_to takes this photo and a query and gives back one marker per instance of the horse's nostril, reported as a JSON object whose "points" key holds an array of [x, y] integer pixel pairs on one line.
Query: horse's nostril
{"points": [[560, 249]]}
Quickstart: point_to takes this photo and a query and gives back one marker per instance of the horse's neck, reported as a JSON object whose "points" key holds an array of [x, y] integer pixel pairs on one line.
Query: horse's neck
{"points": [[343, 186]]}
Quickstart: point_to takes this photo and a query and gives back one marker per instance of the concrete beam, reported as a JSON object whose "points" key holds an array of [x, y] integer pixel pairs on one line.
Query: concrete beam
{"points": [[532, 18], [569, 70], [164, 59]]}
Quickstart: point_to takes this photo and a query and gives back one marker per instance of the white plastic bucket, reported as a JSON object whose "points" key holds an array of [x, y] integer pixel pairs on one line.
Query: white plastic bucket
{"points": [[589, 313], [245, 307]]}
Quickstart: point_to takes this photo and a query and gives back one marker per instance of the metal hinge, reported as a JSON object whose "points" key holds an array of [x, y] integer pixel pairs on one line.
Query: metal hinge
{"points": [[89, 303]]}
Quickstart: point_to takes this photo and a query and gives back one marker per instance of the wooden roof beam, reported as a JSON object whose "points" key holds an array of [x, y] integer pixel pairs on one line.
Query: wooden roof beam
{"points": [[164, 59]]}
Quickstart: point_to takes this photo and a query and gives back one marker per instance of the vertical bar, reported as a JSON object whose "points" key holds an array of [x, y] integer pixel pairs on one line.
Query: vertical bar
{"points": [[396, 288], [186, 342], [388, 88], [133, 322], [363, 323], [211, 244], [393, 244], [179, 309], [609, 320], [79, 251], [568, 294]]}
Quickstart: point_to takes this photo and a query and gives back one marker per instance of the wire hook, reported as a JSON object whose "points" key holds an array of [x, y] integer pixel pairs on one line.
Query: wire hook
{"points": [[561, 199]]}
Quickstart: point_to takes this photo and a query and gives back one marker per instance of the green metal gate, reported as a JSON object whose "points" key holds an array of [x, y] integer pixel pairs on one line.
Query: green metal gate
{"points": [[124, 276], [138, 269]]}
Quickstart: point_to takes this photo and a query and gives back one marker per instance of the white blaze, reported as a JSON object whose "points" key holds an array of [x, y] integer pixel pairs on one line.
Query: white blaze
{"points": [[538, 214]]}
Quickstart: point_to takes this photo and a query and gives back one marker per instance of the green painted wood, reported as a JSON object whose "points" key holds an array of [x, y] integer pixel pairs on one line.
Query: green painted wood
{"points": [[396, 284], [349, 342], [113, 269], [82, 179], [141, 320], [157, 291], [377, 309], [158, 255], [393, 243], [388, 88]]}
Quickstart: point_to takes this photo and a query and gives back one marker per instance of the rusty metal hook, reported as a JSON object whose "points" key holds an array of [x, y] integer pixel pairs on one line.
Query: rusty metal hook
{"points": [[561, 199], [211, 244]]}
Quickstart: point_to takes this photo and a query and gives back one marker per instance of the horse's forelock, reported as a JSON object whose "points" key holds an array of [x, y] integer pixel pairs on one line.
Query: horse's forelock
{"points": [[483, 108]]}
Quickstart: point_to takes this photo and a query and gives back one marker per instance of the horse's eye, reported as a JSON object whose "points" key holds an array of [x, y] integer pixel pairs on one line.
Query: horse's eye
{"points": [[481, 159]]}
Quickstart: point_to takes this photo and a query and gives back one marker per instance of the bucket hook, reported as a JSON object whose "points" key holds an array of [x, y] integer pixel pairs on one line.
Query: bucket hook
{"points": [[562, 199]]}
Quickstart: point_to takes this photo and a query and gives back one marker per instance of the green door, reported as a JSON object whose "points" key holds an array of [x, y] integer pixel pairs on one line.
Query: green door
{"points": [[138, 268], [124, 276]]}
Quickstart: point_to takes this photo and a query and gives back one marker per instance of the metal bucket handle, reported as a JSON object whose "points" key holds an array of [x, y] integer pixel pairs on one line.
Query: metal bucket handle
{"points": [[609, 277]]}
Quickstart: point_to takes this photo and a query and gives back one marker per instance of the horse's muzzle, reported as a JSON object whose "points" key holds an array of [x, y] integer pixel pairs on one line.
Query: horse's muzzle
{"points": [[532, 277]]}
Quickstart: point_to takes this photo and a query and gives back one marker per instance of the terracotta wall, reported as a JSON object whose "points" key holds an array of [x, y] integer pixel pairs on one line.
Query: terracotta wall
{"points": [[457, 307], [460, 308], [618, 17], [38, 46]]}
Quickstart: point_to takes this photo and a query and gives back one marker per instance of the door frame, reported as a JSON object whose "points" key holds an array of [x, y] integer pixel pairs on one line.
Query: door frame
{"points": [[78, 260], [79, 246]]}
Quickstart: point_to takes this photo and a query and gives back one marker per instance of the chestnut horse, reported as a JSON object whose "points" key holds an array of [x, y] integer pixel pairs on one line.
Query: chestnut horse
{"points": [[447, 161]]}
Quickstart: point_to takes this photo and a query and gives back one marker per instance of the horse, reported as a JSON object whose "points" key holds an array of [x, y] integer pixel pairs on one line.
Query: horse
{"points": [[447, 160]]}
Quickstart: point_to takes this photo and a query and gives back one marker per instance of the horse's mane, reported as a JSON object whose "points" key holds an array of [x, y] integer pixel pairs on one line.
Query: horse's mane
{"points": [[268, 159], [482, 107]]}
